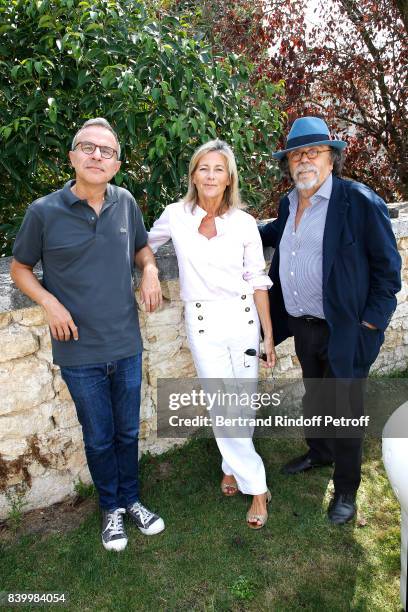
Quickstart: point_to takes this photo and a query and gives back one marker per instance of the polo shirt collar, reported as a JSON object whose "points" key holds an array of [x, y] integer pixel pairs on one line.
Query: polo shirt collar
{"points": [[70, 198]]}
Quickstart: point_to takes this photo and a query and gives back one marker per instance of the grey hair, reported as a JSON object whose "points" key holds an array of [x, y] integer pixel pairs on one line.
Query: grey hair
{"points": [[337, 155], [101, 122], [231, 197]]}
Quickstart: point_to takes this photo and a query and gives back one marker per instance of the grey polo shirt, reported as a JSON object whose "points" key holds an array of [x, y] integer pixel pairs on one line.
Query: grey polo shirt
{"points": [[88, 264]]}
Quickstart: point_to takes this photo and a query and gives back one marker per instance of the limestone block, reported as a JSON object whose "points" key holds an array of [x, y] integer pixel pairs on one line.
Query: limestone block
{"points": [[384, 358], [145, 429], [58, 442], [396, 323], [145, 391], [29, 316], [60, 387], [16, 342], [49, 489], [41, 331], [161, 337], [162, 326], [24, 383], [15, 479], [285, 348], [181, 366], [295, 372], [401, 353], [12, 449], [84, 475], [393, 338], [387, 360], [171, 290], [64, 415], [156, 446], [165, 353], [52, 450], [402, 310], [265, 373], [184, 344], [75, 433], [295, 361], [147, 408], [45, 351], [36, 420], [36, 470], [284, 364], [5, 319], [402, 244], [402, 295], [4, 506], [76, 461]]}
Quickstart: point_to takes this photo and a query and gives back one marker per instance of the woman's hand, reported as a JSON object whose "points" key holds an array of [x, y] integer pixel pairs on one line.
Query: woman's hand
{"points": [[269, 349], [261, 300]]}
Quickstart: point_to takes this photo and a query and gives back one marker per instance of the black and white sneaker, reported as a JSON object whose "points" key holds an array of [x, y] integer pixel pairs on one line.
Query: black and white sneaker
{"points": [[113, 531], [148, 522]]}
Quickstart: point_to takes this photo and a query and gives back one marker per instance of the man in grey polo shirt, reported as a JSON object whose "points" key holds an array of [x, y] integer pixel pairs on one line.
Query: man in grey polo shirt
{"points": [[88, 237], [335, 273]]}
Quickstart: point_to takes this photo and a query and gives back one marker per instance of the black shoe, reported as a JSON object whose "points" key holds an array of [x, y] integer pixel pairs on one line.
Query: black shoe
{"points": [[342, 508], [302, 464], [113, 532], [148, 522]]}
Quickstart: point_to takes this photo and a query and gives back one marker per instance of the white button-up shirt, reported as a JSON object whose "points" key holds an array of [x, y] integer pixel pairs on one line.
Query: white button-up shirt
{"points": [[228, 265]]}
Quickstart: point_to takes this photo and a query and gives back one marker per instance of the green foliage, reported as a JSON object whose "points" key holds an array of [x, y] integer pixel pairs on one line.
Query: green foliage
{"points": [[16, 498], [84, 490], [242, 589], [65, 61]]}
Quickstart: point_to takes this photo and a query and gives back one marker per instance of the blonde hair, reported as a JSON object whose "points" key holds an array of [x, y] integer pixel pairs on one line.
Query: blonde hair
{"points": [[231, 198]]}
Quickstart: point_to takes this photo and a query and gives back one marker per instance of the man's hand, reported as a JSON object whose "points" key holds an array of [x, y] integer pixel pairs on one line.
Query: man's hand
{"points": [[150, 290], [369, 325], [59, 319]]}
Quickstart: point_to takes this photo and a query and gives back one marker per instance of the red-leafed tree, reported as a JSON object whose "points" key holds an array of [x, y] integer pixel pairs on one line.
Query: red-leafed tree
{"points": [[346, 62]]}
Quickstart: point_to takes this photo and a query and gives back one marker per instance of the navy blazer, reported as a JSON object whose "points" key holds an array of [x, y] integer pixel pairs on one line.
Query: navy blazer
{"points": [[361, 275]]}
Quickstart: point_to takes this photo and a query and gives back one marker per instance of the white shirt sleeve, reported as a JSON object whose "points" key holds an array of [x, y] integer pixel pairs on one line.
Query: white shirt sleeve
{"points": [[254, 262], [160, 232]]}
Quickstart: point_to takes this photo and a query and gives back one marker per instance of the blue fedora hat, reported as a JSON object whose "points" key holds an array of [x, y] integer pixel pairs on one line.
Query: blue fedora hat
{"points": [[307, 131]]}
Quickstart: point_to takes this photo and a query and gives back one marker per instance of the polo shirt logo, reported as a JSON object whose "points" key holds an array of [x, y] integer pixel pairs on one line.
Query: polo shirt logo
{"points": [[123, 230]]}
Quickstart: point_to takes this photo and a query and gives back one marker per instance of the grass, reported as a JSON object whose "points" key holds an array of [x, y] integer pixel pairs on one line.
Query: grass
{"points": [[207, 559]]}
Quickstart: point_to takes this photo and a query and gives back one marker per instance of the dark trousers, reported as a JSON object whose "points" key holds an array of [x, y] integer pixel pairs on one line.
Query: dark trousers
{"points": [[107, 400], [326, 395]]}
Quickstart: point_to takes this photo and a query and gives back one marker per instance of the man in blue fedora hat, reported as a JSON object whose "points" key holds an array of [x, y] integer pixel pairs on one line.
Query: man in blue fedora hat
{"points": [[335, 273]]}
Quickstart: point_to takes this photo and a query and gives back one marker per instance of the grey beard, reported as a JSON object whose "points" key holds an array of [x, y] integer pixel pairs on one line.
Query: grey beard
{"points": [[302, 185]]}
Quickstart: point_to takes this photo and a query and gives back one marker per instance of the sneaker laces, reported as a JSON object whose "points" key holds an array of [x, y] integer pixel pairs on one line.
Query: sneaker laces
{"points": [[115, 522], [143, 513]]}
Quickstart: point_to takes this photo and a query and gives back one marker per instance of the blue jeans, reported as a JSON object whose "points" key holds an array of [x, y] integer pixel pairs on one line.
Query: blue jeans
{"points": [[107, 400]]}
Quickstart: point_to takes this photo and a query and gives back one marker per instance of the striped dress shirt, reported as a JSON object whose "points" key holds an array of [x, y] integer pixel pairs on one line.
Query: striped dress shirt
{"points": [[301, 254]]}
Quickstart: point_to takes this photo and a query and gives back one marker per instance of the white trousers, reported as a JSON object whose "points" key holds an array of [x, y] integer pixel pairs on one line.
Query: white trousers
{"points": [[219, 332]]}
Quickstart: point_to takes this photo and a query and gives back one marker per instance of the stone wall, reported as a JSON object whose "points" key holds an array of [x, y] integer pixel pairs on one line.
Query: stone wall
{"points": [[41, 451]]}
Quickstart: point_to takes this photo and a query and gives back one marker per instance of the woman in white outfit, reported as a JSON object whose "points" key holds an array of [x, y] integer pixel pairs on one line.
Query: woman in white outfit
{"points": [[225, 291]]}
